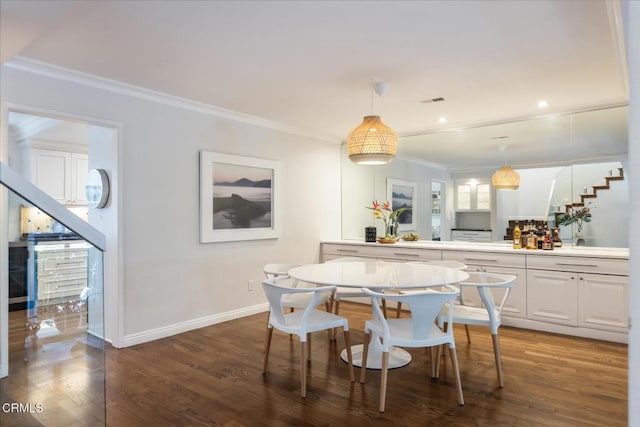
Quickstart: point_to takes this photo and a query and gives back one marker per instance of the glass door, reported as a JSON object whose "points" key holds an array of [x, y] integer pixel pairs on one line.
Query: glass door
{"points": [[437, 209]]}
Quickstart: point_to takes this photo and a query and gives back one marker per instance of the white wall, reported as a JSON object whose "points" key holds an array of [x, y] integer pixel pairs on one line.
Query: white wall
{"points": [[170, 281], [631, 16]]}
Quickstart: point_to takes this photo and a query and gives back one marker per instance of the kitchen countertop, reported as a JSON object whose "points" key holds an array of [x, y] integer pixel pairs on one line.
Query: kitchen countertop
{"points": [[501, 247]]}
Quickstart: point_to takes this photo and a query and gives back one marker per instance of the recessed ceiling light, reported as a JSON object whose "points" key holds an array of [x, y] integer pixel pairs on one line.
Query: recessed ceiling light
{"points": [[442, 119], [543, 103]]}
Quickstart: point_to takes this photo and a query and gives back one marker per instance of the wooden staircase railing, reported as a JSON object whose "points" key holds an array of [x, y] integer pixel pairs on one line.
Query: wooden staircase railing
{"points": [[593, 195]]}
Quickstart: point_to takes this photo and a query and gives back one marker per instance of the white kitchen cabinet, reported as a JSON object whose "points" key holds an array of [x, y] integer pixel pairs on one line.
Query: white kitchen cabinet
{"points": [[552, 296], [60, 174], [470, 236], [61, 270], [383, 252], [516, 305], [596, 301], [581, 294], [602, 301], [473, 196]]}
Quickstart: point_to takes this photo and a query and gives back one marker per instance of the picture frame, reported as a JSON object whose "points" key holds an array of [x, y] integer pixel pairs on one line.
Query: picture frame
{"points": [[239, 198], [404, 193]]}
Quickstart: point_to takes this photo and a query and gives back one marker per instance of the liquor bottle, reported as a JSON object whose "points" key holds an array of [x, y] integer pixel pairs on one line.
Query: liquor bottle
{"points": [[547, 243], [517, 236], [556, 238], [540, 236], [532, 240]]}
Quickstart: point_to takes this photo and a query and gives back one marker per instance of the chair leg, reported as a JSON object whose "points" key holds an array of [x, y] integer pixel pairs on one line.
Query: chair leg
{"points": [[466, 329], [398, 310], [347, 344], [456, 372], [365, 353], [267, 347], [496, 352], [434, 360], [309, 347], [438, 358], [303, 369], [266, 337], [384, 308], [332, 301], [384, 373], [334, 333]]}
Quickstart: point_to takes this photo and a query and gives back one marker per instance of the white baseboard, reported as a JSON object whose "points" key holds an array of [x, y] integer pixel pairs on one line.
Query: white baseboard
{"points": [[190, 325], [575, 331]]}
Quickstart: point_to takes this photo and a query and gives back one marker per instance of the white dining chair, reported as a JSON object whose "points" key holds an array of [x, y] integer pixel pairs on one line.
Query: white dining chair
{"points": [[443, 263], [302, 323], [420, 330], [294, 301], [489, 314], [297, 300], [343, 292]]}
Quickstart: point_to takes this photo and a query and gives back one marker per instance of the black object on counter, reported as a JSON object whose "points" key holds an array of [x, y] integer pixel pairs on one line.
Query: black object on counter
{"points": [[50, 236], [370, 234]]}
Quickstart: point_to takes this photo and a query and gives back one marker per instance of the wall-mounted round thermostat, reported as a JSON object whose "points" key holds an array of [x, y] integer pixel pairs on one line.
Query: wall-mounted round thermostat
{"points": [[97, 188]]}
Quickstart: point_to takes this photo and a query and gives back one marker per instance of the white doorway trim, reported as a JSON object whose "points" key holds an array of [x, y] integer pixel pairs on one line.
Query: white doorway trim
{"points": [[113, 297]]}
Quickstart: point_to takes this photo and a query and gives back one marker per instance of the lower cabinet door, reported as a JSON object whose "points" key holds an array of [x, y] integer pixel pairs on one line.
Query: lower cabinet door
{"points": [[552, 296], [516, 304], [603, 302], [469, 294]]}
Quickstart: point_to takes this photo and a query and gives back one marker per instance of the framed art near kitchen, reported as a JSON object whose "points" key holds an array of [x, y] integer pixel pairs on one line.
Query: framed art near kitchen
{"points": [[239, 198], [403, 194]]}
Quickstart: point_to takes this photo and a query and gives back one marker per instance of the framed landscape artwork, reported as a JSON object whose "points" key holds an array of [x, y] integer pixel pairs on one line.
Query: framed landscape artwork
{"points": [[238, 198], [403, 194]]}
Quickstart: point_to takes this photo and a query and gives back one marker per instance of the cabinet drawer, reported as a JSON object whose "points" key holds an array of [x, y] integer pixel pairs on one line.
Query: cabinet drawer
{"points": [[471, 236], [391, 252], [486, 258], [579, 264]]}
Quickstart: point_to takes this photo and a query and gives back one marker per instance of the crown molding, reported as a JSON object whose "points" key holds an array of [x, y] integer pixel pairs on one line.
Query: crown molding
{"points": [[89, 80]]}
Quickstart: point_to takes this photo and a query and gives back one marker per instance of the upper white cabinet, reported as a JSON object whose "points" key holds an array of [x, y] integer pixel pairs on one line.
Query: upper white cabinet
{"points": [[60, 174], [473, 196]]}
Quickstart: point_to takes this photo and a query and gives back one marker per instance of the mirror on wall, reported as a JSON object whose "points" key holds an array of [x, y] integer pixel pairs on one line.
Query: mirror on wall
{"points": [[562, 160]]}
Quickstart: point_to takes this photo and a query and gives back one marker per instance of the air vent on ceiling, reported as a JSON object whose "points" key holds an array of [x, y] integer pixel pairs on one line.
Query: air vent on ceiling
{"points": [[427, 101], [499, 137]]}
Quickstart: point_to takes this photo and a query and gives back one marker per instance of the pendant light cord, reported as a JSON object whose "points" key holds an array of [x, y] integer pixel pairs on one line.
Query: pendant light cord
{"points": [[372, 83]]}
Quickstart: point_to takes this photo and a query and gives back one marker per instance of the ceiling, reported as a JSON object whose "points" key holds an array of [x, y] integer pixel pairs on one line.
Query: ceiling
{"points": [[308, 65]]}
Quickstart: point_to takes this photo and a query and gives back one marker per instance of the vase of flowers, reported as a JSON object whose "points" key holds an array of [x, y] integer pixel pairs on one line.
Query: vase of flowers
{"points": [[578, 216], [389, 216]]}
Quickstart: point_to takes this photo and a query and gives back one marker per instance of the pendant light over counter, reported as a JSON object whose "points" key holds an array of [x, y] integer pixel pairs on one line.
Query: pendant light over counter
{"points": [[505, 178], [372, 142]]}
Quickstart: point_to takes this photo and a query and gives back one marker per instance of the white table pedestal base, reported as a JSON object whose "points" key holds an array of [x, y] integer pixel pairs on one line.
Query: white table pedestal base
{"points": [[397, 356]]}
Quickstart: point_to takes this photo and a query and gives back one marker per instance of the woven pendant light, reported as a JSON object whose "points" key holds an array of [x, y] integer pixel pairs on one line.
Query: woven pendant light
{"points": [[505, 178], [372, 142]]}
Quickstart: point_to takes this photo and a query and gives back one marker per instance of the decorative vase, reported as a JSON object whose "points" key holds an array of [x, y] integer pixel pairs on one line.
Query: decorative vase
{"points": [[392, 229]]}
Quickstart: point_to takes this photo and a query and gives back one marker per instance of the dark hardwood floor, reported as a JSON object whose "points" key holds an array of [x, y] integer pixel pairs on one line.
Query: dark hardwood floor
{"points": [[213, 377]]}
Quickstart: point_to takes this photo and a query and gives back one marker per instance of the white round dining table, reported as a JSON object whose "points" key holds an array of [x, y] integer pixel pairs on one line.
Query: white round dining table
{"points": [[378, 275]]}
